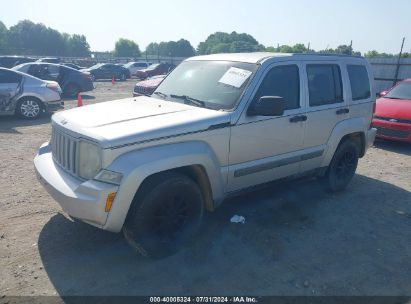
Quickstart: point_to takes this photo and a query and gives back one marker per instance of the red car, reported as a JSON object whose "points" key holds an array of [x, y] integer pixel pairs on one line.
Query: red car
{"points": [[392, 116], [147, 87]]}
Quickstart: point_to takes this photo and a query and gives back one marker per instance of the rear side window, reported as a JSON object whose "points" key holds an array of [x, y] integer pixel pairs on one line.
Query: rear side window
{"points": [[283, 81], [324, 84], [9, 77], [360, 83]]}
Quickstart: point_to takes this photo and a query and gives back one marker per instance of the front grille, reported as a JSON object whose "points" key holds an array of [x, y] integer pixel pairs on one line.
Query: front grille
{"points": [[64, 150], [406, 121], [143, 90], [393, 133]]}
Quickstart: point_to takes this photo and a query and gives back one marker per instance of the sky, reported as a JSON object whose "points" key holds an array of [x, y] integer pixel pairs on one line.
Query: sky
{"points": [[371, 25]]}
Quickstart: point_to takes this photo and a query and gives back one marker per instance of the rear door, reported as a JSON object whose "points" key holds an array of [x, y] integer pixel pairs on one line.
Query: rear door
{"points": [[10, 87], [326, 107]]}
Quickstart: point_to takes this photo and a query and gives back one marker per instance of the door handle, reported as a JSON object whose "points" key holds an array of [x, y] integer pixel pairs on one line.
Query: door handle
{"points": [[342, 111], [298, 118]]}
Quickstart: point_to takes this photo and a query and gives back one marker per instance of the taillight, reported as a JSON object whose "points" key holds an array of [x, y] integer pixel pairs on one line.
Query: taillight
{"points": [[86, 76], [54, 86]]}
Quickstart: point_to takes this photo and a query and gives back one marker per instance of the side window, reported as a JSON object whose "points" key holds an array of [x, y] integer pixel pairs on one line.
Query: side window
{"points": [[283, 81], [53, 71], [360, 83], [324, 84], [9, 77]]}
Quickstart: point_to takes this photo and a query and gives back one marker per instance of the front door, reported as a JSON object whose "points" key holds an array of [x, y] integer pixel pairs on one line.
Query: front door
{"points": [[266, 148]]}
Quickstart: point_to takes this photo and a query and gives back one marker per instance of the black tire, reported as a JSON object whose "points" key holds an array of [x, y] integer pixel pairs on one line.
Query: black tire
{"points": [[342, 167], [29, 108], [71, 90], [164, 215]]}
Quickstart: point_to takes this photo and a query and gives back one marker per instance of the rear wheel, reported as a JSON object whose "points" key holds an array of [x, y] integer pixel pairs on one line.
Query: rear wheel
{"points": [[342, 167], [165, 214], [29, 108]]}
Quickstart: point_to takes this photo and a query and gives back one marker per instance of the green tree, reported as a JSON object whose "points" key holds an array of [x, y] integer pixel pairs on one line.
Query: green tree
{"points": [[78, 45], [3, 39], [221, 42], [180, 48], [28, 38], [126, 48]]}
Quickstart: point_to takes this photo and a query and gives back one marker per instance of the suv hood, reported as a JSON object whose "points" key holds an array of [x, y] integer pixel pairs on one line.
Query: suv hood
{"points": [[129, 120], [393, 108]]}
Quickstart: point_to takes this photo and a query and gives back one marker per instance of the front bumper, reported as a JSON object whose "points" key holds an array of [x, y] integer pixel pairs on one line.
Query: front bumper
{"points": [[84, 200], [392, 130], [371, 133]]}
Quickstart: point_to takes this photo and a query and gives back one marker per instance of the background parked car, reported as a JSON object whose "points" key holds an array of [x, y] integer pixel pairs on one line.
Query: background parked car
{"points": [[148, 86], [392, 116], [133, 67], [49, 60], [27, 96], [155, 69], [70, 80], [108, 71], [11, 61], [73, 66]]}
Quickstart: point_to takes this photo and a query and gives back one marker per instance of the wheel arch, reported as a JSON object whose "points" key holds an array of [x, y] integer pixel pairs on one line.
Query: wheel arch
{"points": [[29, 96], [196, 160], [354, 129]]}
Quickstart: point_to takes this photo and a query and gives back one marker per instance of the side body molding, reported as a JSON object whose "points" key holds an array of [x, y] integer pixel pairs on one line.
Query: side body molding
{"points": [[139, 164]]}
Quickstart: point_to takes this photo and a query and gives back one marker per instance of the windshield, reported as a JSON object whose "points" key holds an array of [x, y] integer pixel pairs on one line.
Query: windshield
{"points": [[21, 67], [217, 84], [401, 91]]}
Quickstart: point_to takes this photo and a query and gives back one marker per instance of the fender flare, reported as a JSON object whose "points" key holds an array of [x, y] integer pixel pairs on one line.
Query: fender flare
{"points": [[341, 129], [137, 165]]}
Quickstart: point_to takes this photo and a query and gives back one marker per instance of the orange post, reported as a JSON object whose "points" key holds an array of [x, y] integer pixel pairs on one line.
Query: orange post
{"points": [[79, 100], [113, 80]]}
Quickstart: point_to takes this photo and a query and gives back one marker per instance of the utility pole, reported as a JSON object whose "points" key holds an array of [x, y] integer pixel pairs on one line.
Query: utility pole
{"points": [[398, 63], [351, 48], [308, 47]]}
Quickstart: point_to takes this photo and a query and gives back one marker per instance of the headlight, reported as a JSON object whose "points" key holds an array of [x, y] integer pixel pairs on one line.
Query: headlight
{"points": [[109, 177], [89, 160]]}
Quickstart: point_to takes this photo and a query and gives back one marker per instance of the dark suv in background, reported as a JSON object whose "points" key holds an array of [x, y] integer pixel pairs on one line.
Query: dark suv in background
{"points": [[155, 69], [70, 80], [108, 71]]}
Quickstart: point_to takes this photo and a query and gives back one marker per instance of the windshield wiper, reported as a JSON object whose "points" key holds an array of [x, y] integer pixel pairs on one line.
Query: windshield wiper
{"points": [[191, 100], [392, 97], [162, 95]]}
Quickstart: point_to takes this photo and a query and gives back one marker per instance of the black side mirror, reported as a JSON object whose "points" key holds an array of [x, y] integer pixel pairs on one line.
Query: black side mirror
{"points": [[267, 106]]}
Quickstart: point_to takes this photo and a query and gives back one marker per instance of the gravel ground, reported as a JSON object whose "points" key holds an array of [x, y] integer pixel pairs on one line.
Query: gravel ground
{"points": [[297, 239]]}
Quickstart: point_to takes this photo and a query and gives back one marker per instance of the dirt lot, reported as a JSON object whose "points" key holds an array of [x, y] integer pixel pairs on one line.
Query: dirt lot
{"points": [[297, 239]]}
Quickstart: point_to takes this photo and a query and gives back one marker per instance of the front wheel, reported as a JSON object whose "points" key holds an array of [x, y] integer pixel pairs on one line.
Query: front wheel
{"points": [[164, 215], [29, 108], [342, 167]]}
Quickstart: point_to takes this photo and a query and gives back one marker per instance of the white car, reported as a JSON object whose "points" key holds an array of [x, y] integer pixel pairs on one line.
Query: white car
{"points": [[133, 67], [216, 125], [27, 96]]}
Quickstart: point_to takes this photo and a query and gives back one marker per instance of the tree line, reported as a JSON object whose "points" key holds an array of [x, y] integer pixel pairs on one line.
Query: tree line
{"points": [[29, 38]]}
